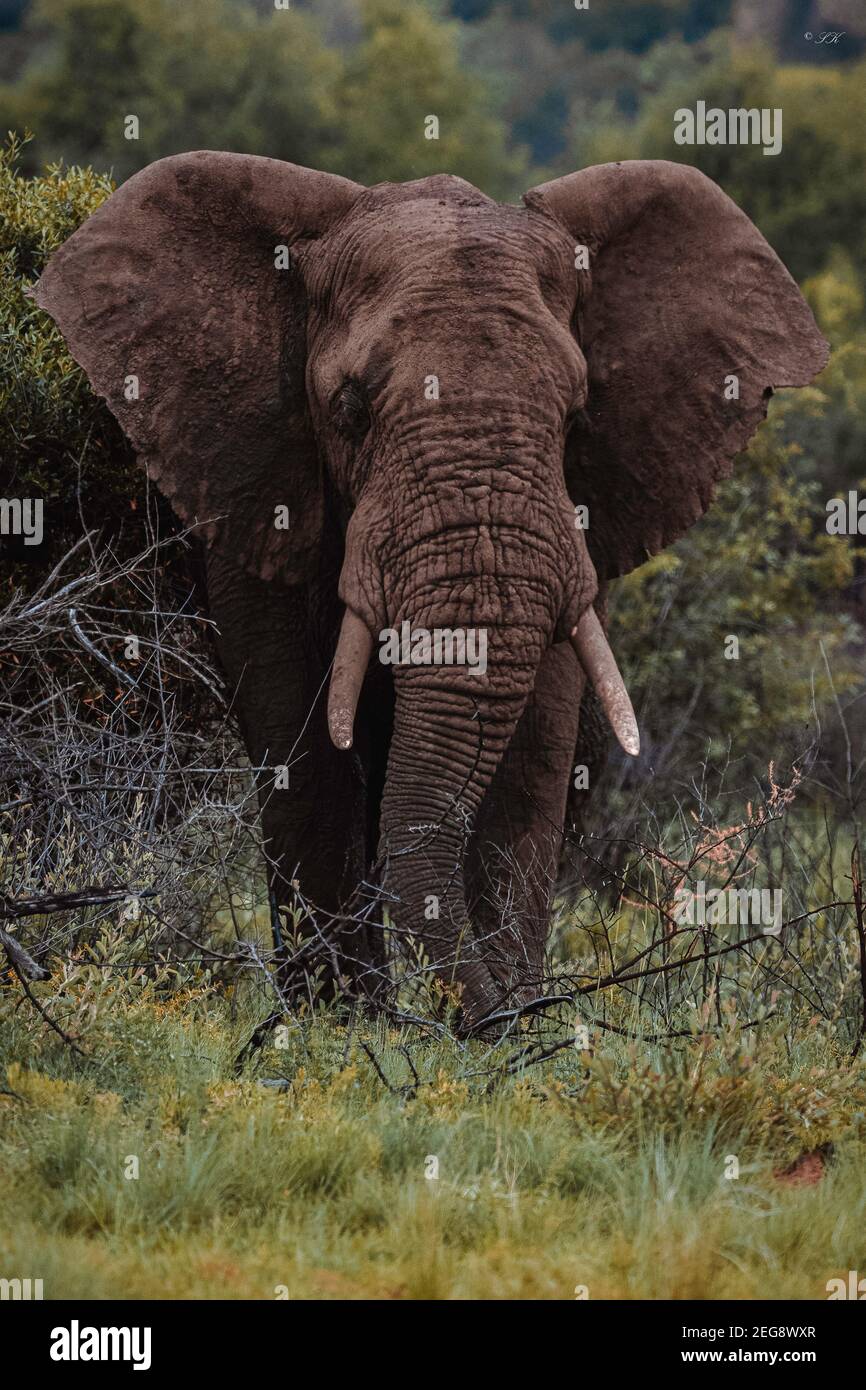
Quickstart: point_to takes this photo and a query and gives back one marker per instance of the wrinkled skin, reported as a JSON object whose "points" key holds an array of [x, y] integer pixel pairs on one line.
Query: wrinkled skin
{"points": [[308, 387]]}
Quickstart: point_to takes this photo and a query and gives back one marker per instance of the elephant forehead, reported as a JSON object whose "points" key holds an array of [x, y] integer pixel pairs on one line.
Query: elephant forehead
{"points": [[421, 246]]}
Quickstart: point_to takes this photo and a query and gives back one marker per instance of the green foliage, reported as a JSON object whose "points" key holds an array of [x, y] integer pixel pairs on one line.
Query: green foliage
{"points": [[56, 440], [632, 25], [581, 72], [217, 74], [834, 436], [760, 566], [197, 74], [807, 198], [382, 119]]}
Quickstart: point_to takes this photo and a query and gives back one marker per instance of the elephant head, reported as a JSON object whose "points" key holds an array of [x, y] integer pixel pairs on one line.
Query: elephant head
{"points": [[446, 379]]}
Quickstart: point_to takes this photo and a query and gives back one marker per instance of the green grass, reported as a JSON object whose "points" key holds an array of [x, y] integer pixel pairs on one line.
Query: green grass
{"points": [[604, 1169]]}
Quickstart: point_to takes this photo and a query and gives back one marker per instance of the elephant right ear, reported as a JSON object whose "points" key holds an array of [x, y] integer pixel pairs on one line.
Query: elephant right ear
{"points": [[689, 324], [178, 299]]}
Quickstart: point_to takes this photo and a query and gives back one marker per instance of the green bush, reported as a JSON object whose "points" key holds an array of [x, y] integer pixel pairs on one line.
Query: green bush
{"points": [[57, 441], [759, 567]]}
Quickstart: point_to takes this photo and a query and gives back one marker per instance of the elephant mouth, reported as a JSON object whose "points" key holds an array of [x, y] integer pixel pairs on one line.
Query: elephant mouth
{"points": [[355, 647]]}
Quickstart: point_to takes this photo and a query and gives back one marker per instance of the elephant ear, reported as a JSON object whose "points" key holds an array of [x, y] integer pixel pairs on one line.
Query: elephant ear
{"points": [[188, 318], [685, 294]]}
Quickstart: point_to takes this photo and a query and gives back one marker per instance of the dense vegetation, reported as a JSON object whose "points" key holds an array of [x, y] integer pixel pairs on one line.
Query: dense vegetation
{"points": [[601, 1165]]}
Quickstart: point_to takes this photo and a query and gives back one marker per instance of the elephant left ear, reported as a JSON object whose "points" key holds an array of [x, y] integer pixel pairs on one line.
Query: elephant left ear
{"points": [[180, 301], [689, 323]]}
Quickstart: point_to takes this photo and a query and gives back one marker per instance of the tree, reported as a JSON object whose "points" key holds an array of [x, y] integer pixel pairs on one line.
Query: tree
{"points": [[806, 199], [203, 74], [406, 69], [119, 83]]}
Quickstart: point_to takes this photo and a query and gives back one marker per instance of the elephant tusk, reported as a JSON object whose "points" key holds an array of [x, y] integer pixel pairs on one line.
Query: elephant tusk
{"points": [[354, 647], [599, 663]]}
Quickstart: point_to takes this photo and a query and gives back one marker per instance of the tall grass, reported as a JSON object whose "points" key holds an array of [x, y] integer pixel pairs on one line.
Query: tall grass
{"points": [[604, 1169]]}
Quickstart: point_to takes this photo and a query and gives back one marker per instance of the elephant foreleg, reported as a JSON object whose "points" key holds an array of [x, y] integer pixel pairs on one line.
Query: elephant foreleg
{"points": [[312, 798]]}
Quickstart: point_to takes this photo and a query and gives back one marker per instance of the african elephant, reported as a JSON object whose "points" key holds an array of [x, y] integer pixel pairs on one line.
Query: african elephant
{"points": [[434, 385]]}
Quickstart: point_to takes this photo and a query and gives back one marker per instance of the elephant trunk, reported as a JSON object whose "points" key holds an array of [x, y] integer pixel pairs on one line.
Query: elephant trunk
{"points": [[448, 741], [495, 594]]}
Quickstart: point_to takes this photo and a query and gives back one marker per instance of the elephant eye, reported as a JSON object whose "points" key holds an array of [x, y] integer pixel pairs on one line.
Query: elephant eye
{"points": [[351, 411]]}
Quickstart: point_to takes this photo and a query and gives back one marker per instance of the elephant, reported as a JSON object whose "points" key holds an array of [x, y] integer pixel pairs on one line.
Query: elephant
{"points": [[471, 417]]}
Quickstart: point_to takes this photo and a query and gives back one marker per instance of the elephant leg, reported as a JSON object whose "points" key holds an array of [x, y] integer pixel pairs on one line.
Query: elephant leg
{"points": [[514, 855], [315, 827]]}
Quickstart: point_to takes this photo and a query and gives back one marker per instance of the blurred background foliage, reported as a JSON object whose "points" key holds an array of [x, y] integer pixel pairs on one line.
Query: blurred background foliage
{"points": [[524, 90]]}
